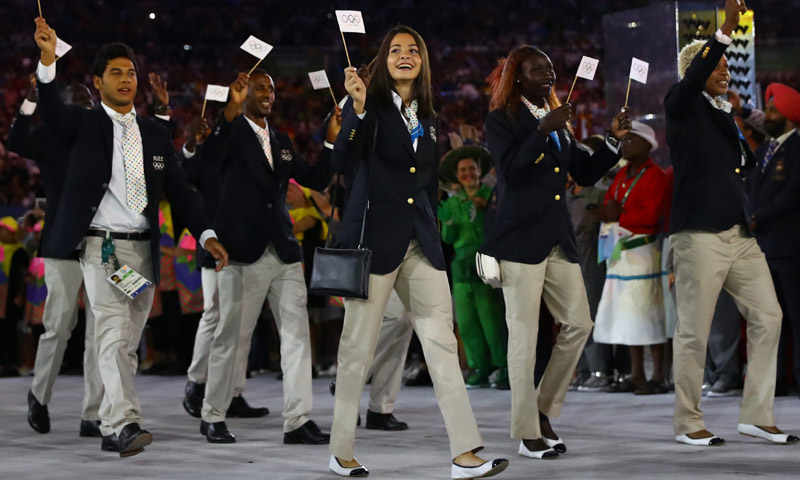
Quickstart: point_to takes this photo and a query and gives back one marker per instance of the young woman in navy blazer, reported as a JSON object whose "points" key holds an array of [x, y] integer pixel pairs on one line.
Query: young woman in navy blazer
{"points": [[532, 237], [402, 232]]}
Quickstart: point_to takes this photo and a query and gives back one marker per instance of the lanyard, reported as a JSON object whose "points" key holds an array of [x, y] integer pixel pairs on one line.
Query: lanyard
{"points": [[108, 252], [625, 198]]}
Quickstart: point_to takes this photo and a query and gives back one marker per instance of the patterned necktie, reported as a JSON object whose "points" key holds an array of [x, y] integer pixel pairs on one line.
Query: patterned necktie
{"points": [[135, 186], [773, 146], [263, 138], [539, 114], [414, 127]]}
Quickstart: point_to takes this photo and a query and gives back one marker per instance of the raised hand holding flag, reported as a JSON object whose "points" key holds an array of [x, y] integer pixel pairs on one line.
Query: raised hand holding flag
{"points": [[256, 48], [350, 21], [215, 93], [586, 69]]}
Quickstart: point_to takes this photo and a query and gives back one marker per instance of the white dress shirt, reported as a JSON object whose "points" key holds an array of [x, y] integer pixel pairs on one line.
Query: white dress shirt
{"points": [[258, 131], [113, 213]]}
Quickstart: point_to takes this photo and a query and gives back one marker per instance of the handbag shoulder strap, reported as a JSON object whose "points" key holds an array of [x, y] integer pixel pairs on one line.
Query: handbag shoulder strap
{"points": [[372, 163]]}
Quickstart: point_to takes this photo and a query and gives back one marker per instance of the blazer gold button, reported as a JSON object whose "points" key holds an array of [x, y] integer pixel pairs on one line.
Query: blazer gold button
{"points": [[556, 169], [558, 197], [410, 201], [737, 170], [412, 170]]}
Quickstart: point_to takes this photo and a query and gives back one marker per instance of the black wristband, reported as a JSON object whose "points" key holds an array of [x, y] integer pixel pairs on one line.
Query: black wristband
{"points": [[161, 109], [610, 139]]}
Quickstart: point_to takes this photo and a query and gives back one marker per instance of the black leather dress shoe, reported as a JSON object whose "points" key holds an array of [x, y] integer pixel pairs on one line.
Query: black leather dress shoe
{"points": [[239, 408], [193, 398], [309, 434], [38, 417], [216, 432], [131, 441], [384, 421], [90, 428]]}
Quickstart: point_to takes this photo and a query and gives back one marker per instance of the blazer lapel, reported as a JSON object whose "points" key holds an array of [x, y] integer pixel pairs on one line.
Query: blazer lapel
{"points": [[259, 161], [530, 124], [426, 143], [786, 146], [394, 121], [279, 165], [107, 128]]}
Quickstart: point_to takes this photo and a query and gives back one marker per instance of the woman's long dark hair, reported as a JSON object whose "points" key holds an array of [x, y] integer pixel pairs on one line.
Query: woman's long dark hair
{"points": [[381, 82]]}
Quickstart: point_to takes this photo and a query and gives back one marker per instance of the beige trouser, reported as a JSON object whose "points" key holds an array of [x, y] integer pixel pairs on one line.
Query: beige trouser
{"points": [[706, 262], [243, 288], [426, 296], [559, 282], [198, 370], [63, 279], [390, 356], [119, 322]]}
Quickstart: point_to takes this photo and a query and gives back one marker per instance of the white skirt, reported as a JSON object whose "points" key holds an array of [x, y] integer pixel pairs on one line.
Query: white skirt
{"points": [[631, 310]]}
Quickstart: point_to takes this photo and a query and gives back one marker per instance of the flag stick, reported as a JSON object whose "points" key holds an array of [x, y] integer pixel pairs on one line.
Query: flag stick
{"points": [[254, 66], [345, 49], [40, 7], [628, 92], [332, 95], [203, 112], [570, 90]]}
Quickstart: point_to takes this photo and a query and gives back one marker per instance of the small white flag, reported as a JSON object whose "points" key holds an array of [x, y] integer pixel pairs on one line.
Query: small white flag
{"points": [[319, 80], [639, 70], [217, 93], [256, 47], [588, 68], [62, 47], [350, 21]]}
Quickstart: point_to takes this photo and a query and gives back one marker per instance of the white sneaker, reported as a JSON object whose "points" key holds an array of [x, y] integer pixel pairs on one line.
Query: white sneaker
{"points": [[712, 441], [338, 469], [548, 454], [779, 438], [484, 470], [558, 445]]}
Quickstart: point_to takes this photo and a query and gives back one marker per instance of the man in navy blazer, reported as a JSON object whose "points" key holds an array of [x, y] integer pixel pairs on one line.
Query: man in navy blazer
{"points": [[774, 191], [712, 245], [120, 165], [62, 277], [255, 164]]}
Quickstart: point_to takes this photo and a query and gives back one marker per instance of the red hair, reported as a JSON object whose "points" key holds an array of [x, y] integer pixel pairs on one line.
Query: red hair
{"points": [[503, 81]]}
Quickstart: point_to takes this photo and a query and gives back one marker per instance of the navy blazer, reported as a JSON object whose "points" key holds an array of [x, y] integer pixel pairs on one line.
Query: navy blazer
{"points": [[89, 134], [706, 151], [252, 199], [205, 178], [403, 191], [775, 198], [52, 157], [532, 215]]}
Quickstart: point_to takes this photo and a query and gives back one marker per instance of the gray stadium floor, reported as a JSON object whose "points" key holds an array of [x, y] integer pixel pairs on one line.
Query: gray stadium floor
{"points": [[608, 436]]}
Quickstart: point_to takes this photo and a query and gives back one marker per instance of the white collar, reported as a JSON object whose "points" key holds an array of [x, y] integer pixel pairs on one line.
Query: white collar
{"points": [[718, 102], [398, 100], [783, 137], [113, 113], [256, 127]]}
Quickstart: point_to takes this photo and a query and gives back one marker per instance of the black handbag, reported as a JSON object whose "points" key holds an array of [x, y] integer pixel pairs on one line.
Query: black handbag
{"points": [[342, 272]]}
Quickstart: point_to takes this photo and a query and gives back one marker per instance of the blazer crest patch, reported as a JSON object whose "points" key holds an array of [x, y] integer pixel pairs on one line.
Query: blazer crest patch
{"points": [[158, 162], [286, 155]]}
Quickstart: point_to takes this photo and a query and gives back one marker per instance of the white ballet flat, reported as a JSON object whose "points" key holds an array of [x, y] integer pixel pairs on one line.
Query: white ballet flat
{"points": [[484, 470], [779, 438], [712, 441], [338, 469], [548, 454], [558, 445]]}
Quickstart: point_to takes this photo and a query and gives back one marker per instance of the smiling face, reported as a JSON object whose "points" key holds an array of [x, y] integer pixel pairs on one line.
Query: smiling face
{"points": [[118, 84], [717, 83], [536, 76], [260, 95], [468, 172], [404, 60]]}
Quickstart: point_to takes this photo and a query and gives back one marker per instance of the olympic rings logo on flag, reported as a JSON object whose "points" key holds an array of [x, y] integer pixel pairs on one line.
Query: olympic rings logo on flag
{"points": [[353, 20], [319, 78], [588, 68], [217, 92], [258, 47], [640, 69]]}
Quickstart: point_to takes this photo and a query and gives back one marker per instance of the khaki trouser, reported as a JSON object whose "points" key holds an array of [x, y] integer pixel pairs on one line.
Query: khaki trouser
{"points": [[198, 370], [119, 322], [706, 262], [560, 283], [390, 356], [243, 288], [63, 279], [426, 296]]}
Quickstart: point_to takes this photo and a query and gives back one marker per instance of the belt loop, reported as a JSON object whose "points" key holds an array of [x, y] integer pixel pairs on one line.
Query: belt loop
{"points": [[108, 234]]}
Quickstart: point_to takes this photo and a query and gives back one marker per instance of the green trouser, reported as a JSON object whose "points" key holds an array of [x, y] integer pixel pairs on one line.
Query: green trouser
{"points": [[479, 312]]}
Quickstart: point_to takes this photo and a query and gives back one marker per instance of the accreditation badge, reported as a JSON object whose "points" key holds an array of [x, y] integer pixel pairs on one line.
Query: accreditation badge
{"points": [[129, 282]]}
